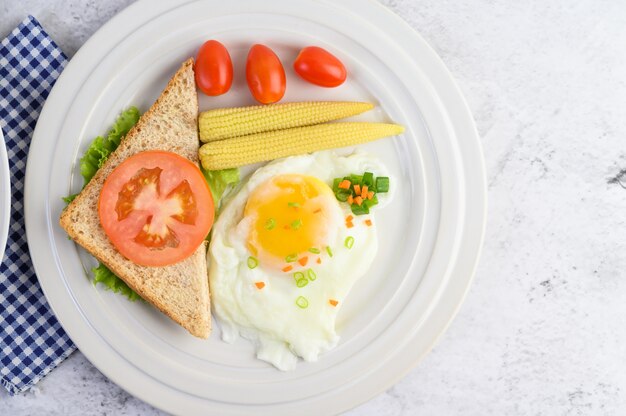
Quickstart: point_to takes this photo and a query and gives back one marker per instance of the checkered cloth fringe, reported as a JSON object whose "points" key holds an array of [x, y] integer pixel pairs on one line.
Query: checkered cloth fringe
{"points": [[31, 340]]}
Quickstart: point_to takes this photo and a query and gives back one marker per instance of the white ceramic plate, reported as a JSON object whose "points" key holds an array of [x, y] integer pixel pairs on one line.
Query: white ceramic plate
{"points": [[5, 196], [430, 236]]}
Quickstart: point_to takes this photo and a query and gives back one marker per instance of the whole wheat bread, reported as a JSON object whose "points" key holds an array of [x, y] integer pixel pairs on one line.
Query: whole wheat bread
{"points": [[180, 290]]}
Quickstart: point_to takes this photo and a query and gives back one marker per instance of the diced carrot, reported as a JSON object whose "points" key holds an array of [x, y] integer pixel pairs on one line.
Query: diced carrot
{"points": [[358, 200], [286, 227], [370, 195], [333, 302], [349, 224], [345, 184], [259, 285], [368, 222], [287, 268], [317, 211], [303, 261], [364, 192], [319, 260], [357, 189], [349, 218], [350, 200]]}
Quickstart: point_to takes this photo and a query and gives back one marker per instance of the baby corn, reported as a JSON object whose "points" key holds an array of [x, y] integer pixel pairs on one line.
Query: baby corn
{"points": [[260, 147], [223, 123]]}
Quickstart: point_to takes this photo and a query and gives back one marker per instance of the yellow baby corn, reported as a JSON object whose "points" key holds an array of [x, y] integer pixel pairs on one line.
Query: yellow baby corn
{"points": [[243, 150], [223, 123]]}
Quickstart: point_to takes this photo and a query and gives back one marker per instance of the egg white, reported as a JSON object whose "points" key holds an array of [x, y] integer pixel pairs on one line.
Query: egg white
{"points": [[280, 330]]}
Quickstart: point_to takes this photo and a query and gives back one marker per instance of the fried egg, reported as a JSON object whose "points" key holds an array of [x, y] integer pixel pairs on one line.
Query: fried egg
{"points": [[285, 253]]}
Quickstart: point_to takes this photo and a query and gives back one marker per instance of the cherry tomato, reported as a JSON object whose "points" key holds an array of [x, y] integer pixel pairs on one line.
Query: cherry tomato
{"points": [[320, 67], [156, 208], [214, 68], [265, 75]]}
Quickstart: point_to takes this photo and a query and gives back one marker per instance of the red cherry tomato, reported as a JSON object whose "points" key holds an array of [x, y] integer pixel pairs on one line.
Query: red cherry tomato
{"points": [[320, 67], [156, 208], [214, 68], [265, 75]]}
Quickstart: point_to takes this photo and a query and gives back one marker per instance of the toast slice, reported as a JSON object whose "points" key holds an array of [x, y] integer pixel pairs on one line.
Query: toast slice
{"points": [[181, 290]]}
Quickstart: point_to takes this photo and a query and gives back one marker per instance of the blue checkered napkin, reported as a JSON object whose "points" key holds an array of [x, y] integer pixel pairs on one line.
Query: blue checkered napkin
{"points": [[31, 340]]}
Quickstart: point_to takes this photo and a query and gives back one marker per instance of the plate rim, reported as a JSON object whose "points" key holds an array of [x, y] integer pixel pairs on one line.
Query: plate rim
{"points": [[479, 198]]}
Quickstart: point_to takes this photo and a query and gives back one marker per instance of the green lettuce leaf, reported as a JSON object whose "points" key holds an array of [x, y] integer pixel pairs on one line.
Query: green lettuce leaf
{"points": [[221, 181], [69, 198], [102, 147], [102, 274]]}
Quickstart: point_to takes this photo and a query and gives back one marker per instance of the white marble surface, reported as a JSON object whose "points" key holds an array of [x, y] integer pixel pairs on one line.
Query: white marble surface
{"points": [[541, 331]]}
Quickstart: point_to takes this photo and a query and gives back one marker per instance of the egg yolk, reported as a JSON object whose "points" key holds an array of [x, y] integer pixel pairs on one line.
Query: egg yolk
{"points": [[290, 216]]}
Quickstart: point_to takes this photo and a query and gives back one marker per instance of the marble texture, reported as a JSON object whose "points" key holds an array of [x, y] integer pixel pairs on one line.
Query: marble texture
{"points": [[541, 331]]}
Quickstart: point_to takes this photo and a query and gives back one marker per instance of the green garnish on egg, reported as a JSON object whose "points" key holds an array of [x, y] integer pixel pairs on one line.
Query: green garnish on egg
{"points": [[270, 224], [359, 191], [302, 302], [253, 262]]}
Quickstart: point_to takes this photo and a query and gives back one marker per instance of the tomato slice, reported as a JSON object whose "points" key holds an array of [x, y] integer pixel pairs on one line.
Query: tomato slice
{"points": [[265, 75], [214, 68], [318, 66], [156, 208]]}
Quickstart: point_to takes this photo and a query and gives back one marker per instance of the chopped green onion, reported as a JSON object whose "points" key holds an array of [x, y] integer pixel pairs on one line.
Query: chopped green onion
{"points": [[349, 242], [311, 274], [360, 209], [368, 179], [270, 224], [382, 184], [291, 258], [314, 250], [342, 194], [293, 204], [329, 251], [370, 202], [296, 224], [252, 262], [302, 302], [356, 179], [300, 279]]}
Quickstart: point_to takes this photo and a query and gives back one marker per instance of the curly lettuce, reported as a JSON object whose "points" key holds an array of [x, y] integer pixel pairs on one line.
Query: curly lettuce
{"points": [[101, 147], [221, 181], [103, 275]]}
